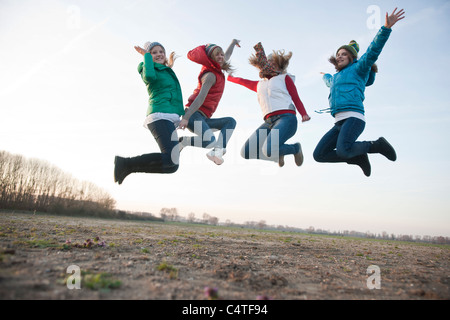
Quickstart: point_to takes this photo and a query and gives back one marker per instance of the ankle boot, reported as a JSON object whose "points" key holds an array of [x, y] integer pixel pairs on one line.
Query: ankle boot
{"points": [[383, 147], [363, 162]]}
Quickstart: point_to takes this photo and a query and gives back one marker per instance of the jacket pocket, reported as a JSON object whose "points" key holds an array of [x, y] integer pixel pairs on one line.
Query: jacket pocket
{"points": [[348, 93]]}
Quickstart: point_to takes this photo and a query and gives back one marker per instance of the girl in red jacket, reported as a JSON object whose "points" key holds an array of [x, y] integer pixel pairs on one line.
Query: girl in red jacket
{"points": [[204, 101], [278, 98]]}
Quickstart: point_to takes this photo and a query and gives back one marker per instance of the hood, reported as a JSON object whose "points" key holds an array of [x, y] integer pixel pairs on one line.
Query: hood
{"points": [[199, 56]]}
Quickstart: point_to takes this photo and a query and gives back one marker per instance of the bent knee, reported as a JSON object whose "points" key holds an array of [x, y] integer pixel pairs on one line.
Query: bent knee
{"points": [[317, 155]]}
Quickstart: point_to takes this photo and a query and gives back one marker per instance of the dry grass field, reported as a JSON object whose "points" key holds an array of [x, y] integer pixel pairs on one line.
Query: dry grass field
{"points": [[168, 261]]}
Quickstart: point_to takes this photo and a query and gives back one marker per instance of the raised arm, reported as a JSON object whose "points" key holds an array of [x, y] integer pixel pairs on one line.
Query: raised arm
{"points": [[375, 48], [229, 52]]}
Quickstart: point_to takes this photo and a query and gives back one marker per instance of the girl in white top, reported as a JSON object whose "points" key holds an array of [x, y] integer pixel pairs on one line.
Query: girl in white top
{"points": [[278, 99]]}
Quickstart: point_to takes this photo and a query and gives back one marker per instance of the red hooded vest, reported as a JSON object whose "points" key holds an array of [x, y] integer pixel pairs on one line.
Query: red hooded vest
{"points": [[212, 99]]}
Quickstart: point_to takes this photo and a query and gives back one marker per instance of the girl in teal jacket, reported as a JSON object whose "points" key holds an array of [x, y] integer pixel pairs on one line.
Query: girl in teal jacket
{"points": [[346, 98], [165, 107]]}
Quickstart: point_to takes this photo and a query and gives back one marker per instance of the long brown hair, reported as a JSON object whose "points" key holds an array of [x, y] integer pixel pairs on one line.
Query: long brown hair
{"points": [[281, 59]]}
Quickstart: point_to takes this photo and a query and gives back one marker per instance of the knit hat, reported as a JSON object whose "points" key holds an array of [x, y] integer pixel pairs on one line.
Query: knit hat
{"points": [[353, 47], [150, 45], [209, 48]]}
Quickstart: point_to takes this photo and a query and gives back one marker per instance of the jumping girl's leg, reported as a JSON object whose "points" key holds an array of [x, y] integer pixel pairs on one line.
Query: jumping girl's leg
{"points": [[252, 148], [226, 126], [204, 137], [282, 129], [347, 147], [325, 149], [165, 134]]}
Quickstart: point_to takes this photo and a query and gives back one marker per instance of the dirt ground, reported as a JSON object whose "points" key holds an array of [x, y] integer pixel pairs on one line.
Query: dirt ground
{"points": [[165, 261]]}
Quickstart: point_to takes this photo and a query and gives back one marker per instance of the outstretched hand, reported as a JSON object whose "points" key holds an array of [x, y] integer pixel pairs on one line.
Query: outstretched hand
{"points": [[393, 18], [140, 50]]}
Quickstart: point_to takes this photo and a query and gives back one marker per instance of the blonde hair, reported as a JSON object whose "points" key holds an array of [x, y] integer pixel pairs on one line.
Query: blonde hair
{"points": [[226, 65], [171, 61]]}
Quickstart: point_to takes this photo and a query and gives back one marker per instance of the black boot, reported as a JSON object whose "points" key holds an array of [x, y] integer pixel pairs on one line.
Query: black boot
{"points": [[383, 147], [149, 163], [121, 169], [363, 162]]}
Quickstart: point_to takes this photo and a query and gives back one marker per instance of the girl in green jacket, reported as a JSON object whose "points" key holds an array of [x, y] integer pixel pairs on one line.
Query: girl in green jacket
{"points": [[165, 107]]}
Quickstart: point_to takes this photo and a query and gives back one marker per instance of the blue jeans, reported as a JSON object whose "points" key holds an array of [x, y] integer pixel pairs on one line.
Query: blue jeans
{"points": [[203, 127], [268, 141], [339, 144]]}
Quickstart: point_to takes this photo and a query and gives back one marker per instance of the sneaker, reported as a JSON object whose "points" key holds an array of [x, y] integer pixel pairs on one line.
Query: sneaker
{"points": [[215, 155], [299, 155]]}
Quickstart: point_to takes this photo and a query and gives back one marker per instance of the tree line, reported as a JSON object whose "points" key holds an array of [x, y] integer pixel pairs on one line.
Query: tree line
{"points": [[37, 185]]}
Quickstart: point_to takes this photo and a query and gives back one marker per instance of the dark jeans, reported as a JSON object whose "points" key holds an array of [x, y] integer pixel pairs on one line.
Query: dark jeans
{"points": [[167, 161], [203, 127], [339, 144]]}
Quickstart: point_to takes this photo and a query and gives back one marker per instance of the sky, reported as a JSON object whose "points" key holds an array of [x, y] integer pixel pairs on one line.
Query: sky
{"points": [[70, 94]]}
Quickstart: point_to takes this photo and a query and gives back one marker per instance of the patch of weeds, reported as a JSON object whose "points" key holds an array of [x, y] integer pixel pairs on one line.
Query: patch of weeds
{"points": [[211, 293], [145, 250], [167, 268], [99, 281], [37, 243], [88, 244]]}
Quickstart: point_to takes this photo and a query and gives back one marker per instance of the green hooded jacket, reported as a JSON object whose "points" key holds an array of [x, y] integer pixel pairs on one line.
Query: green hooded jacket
{"points": [[163, 87]]}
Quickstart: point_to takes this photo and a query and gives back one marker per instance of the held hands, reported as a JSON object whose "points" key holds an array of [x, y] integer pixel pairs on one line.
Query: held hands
{"points": [[393, 18]]}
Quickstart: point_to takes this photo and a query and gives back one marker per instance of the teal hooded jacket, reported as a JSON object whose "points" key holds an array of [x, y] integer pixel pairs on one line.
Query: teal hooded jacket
{"points": [[163, 87], [348, 85]]}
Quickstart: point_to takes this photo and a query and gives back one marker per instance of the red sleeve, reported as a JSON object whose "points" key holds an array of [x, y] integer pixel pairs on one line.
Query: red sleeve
{"points": [[252, 85], [292, 89]]}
